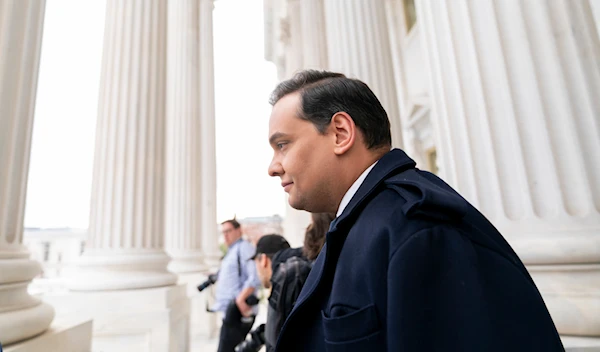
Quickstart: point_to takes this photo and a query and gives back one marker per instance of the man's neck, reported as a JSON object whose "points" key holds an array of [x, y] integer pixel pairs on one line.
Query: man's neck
{"points": [[235, 241], [353, 189], [355, 169]]}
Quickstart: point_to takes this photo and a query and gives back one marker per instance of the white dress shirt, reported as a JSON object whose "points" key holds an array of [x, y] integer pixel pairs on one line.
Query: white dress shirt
{"points": [[353, 189]]}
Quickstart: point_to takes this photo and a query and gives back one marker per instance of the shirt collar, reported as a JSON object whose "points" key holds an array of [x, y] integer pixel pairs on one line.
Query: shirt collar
{"points": [[236, 242], [353, 189]]}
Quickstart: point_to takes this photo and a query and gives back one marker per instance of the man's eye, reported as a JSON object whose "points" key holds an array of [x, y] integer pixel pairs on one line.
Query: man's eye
{"points": [[280, 145]]}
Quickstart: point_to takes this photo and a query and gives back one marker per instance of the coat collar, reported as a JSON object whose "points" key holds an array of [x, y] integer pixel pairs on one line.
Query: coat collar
{"points": [[391, 163]]}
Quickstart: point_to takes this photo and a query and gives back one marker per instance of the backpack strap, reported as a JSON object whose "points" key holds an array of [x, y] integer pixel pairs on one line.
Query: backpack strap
{"points": [[239, 258]]}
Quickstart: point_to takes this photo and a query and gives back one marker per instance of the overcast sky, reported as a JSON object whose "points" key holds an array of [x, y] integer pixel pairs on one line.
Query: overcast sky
{"points": [[60, 172]]}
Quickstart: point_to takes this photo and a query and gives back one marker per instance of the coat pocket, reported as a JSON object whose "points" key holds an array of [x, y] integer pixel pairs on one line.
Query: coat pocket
{"points": [[374, 342], [357, 330]]}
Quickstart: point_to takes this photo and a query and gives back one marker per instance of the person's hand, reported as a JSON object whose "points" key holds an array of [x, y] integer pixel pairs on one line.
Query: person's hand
{"points": [[244, 308]]}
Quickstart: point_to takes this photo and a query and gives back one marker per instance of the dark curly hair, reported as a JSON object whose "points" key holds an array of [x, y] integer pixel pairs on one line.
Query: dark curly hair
{"points": [[314, 238]]}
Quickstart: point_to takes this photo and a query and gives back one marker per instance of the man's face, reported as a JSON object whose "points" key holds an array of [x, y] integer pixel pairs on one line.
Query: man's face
{"points": [[303, 158], [263, 269], [230, 233]]}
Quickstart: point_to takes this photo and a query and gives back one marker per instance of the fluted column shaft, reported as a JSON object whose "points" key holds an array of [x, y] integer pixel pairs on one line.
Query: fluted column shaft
{"points": [[292, 23], [21, 23], [125, 241], [515, 87], [314, 38], [358, 46], [183, 198], [210, 233]]}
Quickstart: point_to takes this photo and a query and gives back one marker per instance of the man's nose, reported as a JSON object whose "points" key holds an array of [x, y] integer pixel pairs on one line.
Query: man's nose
{"points": [[275, 168]]}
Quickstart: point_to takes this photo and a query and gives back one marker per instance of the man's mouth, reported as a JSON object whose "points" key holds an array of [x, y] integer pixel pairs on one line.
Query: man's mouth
{"points": [[286, 186]]}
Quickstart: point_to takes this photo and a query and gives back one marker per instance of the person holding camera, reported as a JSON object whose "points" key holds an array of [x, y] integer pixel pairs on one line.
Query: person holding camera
{"points": [[237, 283], [284, 270], [287, 283]]}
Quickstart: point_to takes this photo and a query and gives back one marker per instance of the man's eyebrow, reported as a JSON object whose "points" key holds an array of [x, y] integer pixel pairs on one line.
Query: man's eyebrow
{"points": [[276, 136]]}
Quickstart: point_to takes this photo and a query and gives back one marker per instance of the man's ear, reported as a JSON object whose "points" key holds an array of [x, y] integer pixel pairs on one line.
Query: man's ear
{"points": [[344, 130], [264, 260]]}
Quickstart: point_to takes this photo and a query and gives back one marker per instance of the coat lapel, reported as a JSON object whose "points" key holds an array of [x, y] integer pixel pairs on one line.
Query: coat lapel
{"points": [[393, 162]]}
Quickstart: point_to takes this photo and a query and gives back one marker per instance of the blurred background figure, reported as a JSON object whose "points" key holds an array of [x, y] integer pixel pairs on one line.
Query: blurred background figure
{"points": [[314, 239], [237, 282]]}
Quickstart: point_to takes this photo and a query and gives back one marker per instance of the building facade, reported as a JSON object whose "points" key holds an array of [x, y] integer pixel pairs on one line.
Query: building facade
{"points": [[153, 234], [500, 98]]}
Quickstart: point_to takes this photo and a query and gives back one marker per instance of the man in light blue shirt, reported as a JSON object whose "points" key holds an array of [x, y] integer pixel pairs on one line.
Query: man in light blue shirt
{"points": [[236, 282]]}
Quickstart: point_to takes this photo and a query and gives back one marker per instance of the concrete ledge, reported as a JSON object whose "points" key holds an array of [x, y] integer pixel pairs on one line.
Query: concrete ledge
{"points": [[65, 334], [142, 320], [581, 344]]}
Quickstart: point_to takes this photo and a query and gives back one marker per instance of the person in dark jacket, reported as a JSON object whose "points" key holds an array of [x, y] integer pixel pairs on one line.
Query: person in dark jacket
{"points": [[284, 270], [290, 271], [408, 264]]}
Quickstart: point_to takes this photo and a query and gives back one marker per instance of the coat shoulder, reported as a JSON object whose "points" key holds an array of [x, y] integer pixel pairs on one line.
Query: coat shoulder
{"points": [[408, 203]]}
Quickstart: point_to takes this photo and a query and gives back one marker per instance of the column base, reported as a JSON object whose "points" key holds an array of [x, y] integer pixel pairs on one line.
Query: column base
{"points": [[212, 261], [21, 324], [21, 315], [120, 270], [580, 344], [572, 295], [65, 334], [202, 323], [186, 261], [145, 320]]}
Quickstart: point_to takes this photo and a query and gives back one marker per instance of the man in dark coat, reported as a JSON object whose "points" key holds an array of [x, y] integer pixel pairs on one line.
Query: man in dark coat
{"points": [[408, 265]]}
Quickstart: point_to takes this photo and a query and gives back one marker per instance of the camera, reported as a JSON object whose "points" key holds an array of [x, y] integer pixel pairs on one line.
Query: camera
{"points": [[212, 278], [255, 342], [233, 314]]}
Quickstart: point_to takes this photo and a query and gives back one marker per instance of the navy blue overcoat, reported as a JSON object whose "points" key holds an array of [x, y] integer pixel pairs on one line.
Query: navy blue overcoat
{"points": [[410, 265]]}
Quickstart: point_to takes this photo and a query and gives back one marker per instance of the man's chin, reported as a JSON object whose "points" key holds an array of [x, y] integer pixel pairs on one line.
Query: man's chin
{"points": [[296, 205]]}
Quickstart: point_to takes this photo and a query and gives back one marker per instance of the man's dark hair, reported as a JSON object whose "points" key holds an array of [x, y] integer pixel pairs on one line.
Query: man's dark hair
{"points": [[233, 222], [323, 94]]}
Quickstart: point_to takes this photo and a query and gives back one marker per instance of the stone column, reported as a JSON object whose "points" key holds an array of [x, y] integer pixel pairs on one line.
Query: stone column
{"points": [[314, 40], [595, 5], [21, 22], [304, 36], [515, 86], [183, 198], [292, 38], [358, 45], [190, 169], [125, 244], [210, 233]]}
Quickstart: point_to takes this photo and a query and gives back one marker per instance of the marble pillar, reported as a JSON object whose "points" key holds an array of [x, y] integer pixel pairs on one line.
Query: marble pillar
{"points": [[515, 87], [125, 246], [183, 196], [358, 45], [21, 22]]}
